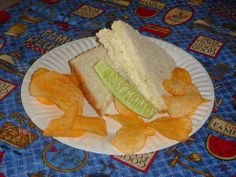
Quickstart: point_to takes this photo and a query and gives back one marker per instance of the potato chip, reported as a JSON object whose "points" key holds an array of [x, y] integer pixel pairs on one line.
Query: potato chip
{"points": [[134, 120], [180, 74], [173, 128], [58, 88], [179, 106], [179, 79], [73, 79], [90, 124], [174, 88], [39, 72], [62, 127], [122, 109], [132, 135], [45, 100], [129, 139], [62, 132], [149, 132], [125, 120]]}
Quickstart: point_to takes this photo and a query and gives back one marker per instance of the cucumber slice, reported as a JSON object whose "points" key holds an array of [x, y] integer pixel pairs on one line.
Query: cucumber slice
{"points": [[123, 91]]}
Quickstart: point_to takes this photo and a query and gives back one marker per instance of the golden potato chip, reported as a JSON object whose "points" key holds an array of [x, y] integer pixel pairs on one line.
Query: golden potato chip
{"points": [[132, 135], [125, 120], [149, 132], [62, 132], [62, 127], [39, 72], [90, 124], [174, 88], [129, 139], [58, 88], [122, 109], [73, 79], [179, 79], [180, 74], [173, 128], [45, 100], [185, 105]]}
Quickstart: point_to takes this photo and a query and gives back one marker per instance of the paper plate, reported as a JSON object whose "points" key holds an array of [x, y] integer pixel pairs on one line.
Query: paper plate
{"points": [[57, 60]]}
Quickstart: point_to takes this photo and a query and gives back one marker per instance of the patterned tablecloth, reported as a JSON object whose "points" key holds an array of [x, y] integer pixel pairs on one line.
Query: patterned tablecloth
{"points": [[30, 28]]}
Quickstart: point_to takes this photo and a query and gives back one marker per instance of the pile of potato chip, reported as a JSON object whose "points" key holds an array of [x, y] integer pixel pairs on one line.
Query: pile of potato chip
{"points": [[185, 96], [50, 87]]}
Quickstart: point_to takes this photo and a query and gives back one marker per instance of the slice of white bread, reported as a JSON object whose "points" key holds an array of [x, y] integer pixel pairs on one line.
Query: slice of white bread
{"points": [[138, 60], [94, 90]]}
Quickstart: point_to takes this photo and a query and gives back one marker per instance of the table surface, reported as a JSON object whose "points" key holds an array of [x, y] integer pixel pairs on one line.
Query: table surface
{"points": [[30, 28]]}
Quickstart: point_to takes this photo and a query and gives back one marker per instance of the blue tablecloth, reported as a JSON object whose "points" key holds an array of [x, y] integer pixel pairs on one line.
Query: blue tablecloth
{"points": [[30, 28]]}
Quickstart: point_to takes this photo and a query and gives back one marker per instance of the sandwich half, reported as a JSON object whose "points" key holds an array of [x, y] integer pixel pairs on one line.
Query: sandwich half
{"points": [[92, 87], [138, 60]]}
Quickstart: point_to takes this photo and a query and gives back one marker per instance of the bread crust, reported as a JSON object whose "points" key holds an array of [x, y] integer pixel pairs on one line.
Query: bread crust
{"points": [[87, 94]]}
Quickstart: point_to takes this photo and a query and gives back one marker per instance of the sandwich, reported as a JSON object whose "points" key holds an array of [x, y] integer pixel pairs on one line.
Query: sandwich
{"points": [[138, 60], [92, 87]]}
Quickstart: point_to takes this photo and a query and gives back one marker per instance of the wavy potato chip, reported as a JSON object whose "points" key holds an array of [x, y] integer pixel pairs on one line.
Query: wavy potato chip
{"points": [[48, 101], [56, 87], [45, 100], [73, 79], [62, 132], [90, 124], [62, 127], [173, 128], [185, 96], [174, 88], [180, 74], [185, 105], [39, 72], [132, 135], [180, 78], [134, 120], [125, 120], [129, 139]]}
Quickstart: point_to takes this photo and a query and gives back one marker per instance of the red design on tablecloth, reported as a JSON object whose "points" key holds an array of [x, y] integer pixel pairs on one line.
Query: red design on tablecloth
{"points": [[234, 101], [220, 148], [2, 175], [140, 162], [217, 103], [156, 29], [34, 47], [1, 157], [46, 41], [53, 149], [4, 17], [51, 1], [145, 13]]}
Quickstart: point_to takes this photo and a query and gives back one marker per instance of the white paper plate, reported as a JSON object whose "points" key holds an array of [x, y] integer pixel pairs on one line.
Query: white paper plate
{"points": [[57, 60]]}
